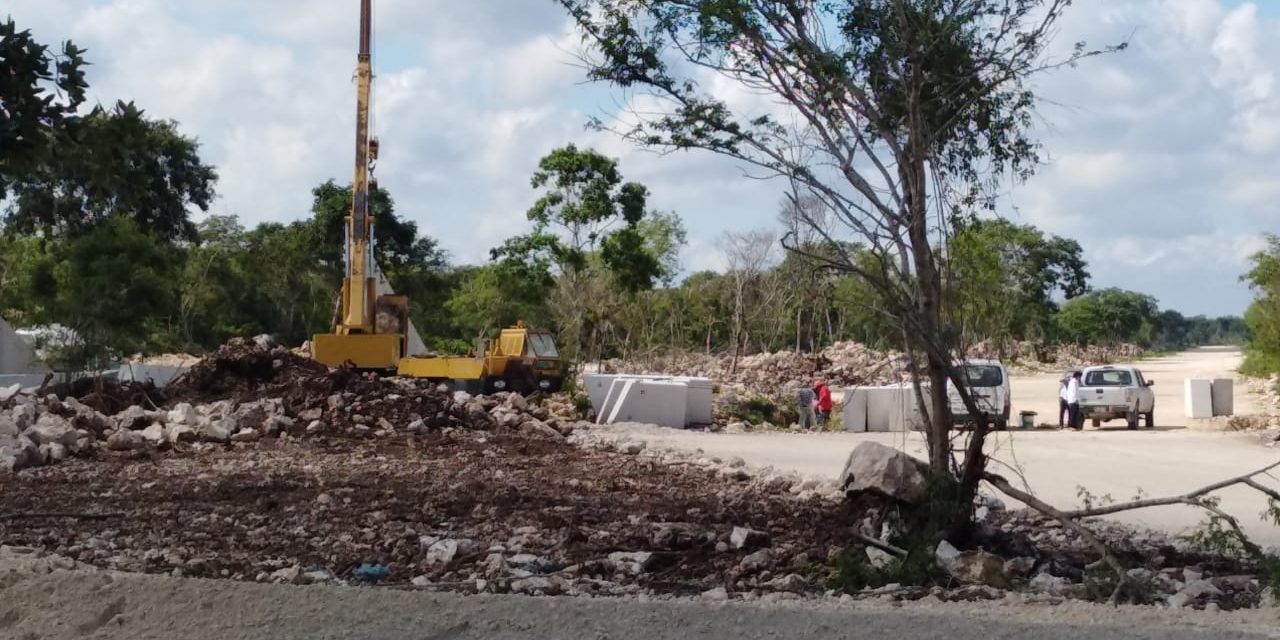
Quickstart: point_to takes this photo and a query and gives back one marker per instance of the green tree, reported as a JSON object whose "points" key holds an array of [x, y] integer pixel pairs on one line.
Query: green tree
{"points": [[39, 92], [896, 111], [1004, 278], [1110, 316], [1262, 355], [586, 223], [115, 287], [114, 162]]}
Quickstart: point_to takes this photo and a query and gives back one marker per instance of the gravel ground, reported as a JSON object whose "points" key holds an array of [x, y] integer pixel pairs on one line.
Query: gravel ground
{"points": [[459, 510], [36, 604]]}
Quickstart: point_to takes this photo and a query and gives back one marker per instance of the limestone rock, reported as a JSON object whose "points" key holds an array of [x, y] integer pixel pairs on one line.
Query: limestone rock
{"points": [[219, 430], [882, 469], [184, 413], [134, 417], [981, 567], [743, 538], [316, 427], [52, 428], [10, 392], [175, 433], [246, 435], [154, 434], [126, 440], [756, 561], [632, 563]]}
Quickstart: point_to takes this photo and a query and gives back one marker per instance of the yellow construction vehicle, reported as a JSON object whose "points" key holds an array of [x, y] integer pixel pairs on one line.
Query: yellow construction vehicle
{"points": [[371, 330], [357, 338], [519, 359]]}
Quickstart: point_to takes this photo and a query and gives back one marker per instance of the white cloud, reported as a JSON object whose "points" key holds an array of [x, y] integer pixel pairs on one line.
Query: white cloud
{"points": [[1162, 158]]}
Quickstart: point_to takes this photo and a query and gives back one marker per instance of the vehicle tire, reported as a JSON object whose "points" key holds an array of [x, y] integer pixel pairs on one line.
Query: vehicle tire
{"points": [[1132, 419], [1096, 423], [1151, 419], [1001, 423]]}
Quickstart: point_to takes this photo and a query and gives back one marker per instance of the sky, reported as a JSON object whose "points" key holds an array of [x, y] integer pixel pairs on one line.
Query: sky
{"points": [[1163, 161]]}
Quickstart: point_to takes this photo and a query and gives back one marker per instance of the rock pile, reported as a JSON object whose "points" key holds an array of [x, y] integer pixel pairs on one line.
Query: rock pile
{"points": [[247, 391], [842, 364]]}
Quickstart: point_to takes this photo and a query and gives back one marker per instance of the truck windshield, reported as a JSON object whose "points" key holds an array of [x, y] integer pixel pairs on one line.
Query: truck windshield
{"points": [[1113, 378], [983, 375], [543, 345]]}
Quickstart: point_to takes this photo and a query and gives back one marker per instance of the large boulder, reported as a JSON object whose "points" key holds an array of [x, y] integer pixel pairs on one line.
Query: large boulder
{"points": [[24, 414], [884, 470], [134, 417], [8, 427], [50, 428], [18, 452], [184, 413], [980, 567], [219, 430], [126, 440]]}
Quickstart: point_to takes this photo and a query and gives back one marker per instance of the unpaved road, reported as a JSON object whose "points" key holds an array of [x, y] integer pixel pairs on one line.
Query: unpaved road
{"points": [[103, 606], [1175, 457]]}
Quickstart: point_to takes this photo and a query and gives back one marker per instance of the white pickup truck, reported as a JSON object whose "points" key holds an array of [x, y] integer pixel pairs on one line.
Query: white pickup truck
{"points": [[1116, 392], [988, 383]]}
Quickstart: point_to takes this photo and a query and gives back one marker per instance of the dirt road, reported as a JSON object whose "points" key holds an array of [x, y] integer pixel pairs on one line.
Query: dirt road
{"points": [[1177, 456], [73, 604]]}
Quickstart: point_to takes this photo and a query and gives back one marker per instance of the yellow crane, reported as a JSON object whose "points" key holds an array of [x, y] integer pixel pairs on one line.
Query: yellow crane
{"points": [[370, 332]]}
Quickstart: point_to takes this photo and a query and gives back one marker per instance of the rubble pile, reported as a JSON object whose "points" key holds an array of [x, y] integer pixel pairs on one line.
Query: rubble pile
{"points": [[846, 364], [244, 392], [842, 364], [1036, 357]]}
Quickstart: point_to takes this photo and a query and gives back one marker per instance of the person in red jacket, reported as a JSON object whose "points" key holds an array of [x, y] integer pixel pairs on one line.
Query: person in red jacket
{"points": [[823, 401]]}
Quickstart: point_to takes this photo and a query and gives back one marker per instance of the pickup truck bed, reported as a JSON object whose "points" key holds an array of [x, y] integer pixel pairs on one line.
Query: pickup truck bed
{"points": [[1116, 393]]}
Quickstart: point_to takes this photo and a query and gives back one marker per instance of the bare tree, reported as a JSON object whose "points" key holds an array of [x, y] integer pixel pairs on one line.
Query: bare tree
{"points": [[748, 256], [895, 114]]}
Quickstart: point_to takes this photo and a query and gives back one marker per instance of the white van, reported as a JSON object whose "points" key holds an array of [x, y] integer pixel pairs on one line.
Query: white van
{"points": [[988, 383]]}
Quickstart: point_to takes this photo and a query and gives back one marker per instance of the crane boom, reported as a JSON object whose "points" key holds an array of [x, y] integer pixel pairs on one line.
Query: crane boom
{"points": [[370, 331], [359, 288]]}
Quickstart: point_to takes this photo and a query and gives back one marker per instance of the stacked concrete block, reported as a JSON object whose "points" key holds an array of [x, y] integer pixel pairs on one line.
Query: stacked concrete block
{"points": [[160, 375], [672, 401], [16, 356], [1222, 390], [853, 412], [892, 408], [1199, 398]]}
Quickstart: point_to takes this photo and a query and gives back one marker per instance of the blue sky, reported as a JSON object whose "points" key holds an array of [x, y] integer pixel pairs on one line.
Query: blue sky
{"points": [[1163, 161]]}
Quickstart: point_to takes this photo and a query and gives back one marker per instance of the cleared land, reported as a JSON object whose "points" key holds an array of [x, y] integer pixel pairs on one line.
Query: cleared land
{"points": [[1178, 455]]}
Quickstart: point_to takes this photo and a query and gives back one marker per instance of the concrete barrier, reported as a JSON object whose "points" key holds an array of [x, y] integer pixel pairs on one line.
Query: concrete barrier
{"points": [[1199, 398], [160, 375], [660, 402], [853, 414], [1222, 391], [606, 390]]}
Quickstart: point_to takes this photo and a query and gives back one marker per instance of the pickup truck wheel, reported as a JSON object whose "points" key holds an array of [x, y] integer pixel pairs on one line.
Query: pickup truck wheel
{"points": [[1151, 419], [1002, 423], [1096, 423], [1132, 419]]}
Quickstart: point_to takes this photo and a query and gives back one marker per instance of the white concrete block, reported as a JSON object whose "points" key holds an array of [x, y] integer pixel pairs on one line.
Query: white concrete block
{"points": [[853, 414], [1222, 391], [16, 356], [661, 402], [1199, 398], [699, 405], [160, 375]]}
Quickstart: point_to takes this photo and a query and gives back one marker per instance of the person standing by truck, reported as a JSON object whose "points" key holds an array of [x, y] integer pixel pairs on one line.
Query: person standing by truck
{"points": [[1073, 402], [824, 402], [805, 404], [1063, 407]]}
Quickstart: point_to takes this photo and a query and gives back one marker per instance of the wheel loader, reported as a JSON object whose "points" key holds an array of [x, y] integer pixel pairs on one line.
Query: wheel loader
{"points": [[370, 330]]}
